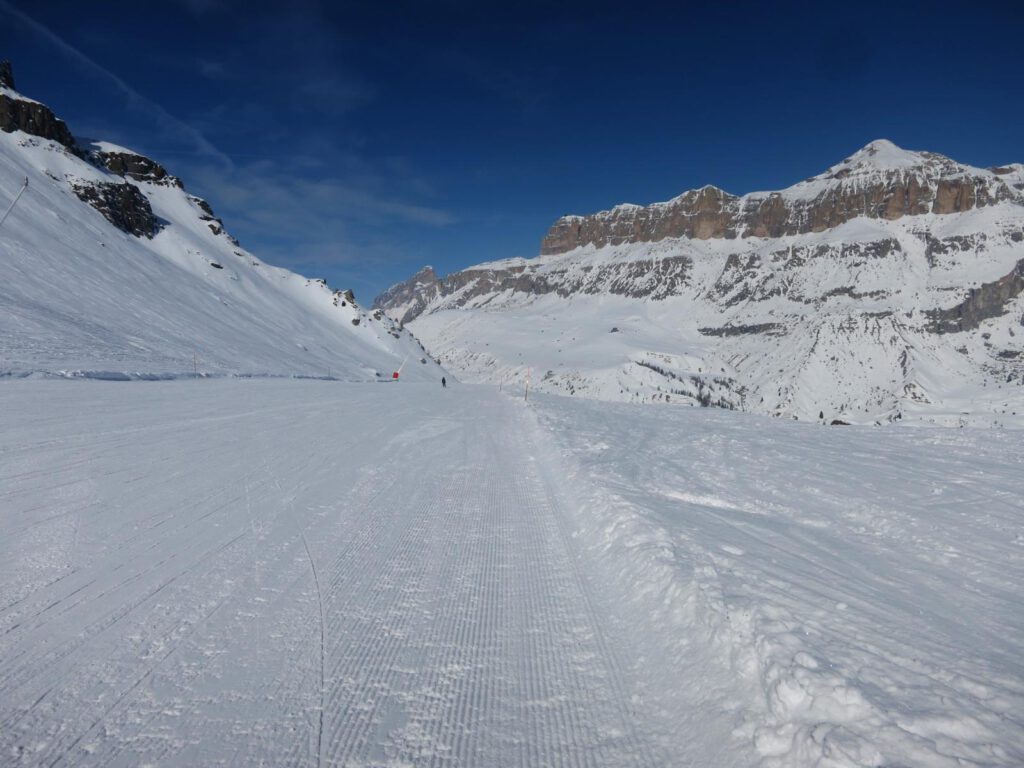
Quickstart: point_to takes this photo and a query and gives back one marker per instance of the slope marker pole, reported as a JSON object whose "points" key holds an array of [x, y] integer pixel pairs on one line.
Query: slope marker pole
{"points": [[14, 202], [398, 373]]}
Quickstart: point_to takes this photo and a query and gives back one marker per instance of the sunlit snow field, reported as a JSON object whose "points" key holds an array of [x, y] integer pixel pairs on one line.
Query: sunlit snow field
{"points": [[282, 572]]}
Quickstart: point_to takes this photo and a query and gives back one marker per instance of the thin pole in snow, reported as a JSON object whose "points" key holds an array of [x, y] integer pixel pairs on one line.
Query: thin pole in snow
{"points": [[396, 374], [14, 202], [195, 365]]}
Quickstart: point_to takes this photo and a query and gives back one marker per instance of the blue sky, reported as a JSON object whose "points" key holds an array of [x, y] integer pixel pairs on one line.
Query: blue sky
{"points": [[359, 141]]}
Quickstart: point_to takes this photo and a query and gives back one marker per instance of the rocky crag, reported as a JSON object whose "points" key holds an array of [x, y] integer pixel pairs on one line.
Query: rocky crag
{"points": [[121, 203], [875, 183], [890, 282]]}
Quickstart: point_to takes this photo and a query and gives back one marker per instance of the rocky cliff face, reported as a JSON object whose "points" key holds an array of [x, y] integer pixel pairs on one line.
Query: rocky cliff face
{"points": [[409, 299], [123, 205], [650, 278], [20, 114], [132, 166], [890, 282], [879, 182], [990, 300]]}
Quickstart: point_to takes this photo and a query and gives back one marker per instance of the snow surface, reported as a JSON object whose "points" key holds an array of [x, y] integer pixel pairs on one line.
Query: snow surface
{"points": [[79, 297], [15, 95], [852, 596], [288, 572]]}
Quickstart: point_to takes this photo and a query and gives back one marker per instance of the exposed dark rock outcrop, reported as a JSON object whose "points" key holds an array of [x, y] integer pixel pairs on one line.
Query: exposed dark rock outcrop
{"points": [[29, 116], [203, 206], [753, 276], [987, 301], [744, 330], [123, 205], [957, 244], [7, 76], [133, 166], [213, 222]]}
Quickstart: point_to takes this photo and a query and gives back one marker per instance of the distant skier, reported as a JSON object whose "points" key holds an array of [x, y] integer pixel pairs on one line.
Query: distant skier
{"points": [[443, 383]]}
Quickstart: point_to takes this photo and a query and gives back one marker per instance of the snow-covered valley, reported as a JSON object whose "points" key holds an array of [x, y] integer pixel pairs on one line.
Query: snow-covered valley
{"points": [[311, 573]]}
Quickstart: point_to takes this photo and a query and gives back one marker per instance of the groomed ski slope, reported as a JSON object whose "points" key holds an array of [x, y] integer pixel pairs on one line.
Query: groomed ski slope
{"points": [[265, 572]]}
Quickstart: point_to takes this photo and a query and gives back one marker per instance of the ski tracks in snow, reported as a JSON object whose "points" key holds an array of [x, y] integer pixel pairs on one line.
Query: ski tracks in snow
{"points": [[345, 576]]}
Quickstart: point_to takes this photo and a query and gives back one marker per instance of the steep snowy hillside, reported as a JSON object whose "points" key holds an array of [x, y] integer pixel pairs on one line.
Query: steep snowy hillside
{"points": [[109, 267], [887, 287]]}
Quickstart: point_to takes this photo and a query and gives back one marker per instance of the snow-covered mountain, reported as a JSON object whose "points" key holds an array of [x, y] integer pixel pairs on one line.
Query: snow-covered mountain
{"points": [[109, 267], [887, 287]]}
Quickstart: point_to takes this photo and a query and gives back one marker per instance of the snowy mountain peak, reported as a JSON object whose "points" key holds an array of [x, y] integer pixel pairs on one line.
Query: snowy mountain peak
{"points": [[881, 159], [892, 283], [882, 154]]}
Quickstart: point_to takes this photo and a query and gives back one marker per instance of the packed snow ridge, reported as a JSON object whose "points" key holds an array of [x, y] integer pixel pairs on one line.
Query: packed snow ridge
{"points": [[887, 288], [109, 268]]}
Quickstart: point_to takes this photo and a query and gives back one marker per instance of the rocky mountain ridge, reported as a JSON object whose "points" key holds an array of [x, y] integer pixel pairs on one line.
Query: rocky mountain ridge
{"points": [[889, 282], [879, 181]]}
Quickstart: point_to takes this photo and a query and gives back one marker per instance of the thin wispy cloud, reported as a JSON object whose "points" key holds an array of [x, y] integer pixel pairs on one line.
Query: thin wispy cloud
{"points": [[271, 199], [304, 200], [165, 119]]}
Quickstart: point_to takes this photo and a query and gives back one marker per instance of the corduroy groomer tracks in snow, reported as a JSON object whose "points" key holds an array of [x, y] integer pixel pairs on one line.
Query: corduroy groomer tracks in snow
{"points": [[313, 573]]}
